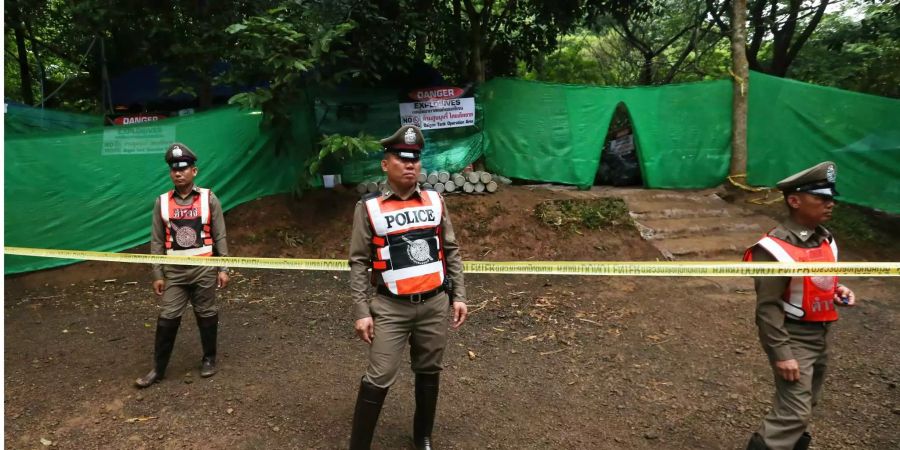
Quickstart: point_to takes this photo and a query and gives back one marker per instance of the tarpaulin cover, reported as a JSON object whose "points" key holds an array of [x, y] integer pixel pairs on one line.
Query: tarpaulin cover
{"points": [[95, 190], [376, 113], [20, 120], [555, 132], [793, 125]]}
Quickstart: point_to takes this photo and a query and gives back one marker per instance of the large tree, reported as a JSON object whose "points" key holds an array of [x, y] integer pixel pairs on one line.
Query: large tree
{"points": [[778, 29]]}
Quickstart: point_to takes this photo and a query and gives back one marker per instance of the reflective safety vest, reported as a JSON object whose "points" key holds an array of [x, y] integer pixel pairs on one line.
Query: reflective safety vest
{"points": [[810, 299], [187, 227], [407, 254]]}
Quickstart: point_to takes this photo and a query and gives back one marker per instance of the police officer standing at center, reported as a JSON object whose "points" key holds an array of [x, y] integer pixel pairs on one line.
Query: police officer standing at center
{"points": [[405, 237], [187, 221], [795, 314]]}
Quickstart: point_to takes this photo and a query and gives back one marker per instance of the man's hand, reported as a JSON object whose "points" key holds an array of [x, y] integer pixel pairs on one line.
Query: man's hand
{"points": [[223, 280], [788, 369], [460, 312], [158, 286], [365, 329], [843, 291]]}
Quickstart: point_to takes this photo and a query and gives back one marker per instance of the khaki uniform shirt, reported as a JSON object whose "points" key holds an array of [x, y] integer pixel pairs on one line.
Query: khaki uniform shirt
{"points": [[158, 233], [361, 256], [770, 290]]}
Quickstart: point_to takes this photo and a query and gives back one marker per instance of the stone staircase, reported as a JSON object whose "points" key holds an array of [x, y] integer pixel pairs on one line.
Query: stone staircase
{"points": [[691, 225]]}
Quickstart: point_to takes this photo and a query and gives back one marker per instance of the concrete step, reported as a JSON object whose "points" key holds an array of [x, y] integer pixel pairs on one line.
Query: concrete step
{"points": [[643, 210], [675, 228], [725, 246]]}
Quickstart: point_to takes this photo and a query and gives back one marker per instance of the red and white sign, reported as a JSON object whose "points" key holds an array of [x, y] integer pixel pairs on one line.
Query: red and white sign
{"points": [[139, 118], [436, 93]]}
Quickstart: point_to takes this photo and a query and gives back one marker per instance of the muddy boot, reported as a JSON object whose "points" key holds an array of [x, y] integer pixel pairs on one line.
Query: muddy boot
{"points": [[756, 443], [209, 328], [365, 417], [166, 330], [427, 386], [803, 442]]}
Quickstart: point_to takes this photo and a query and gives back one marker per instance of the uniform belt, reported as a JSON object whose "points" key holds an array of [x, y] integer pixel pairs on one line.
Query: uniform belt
{"points": [[415, 298], [806, 323]]}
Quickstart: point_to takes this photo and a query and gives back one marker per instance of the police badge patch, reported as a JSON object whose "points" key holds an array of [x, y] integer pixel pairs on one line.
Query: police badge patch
{"points": [[185, 237], [418, 251]]}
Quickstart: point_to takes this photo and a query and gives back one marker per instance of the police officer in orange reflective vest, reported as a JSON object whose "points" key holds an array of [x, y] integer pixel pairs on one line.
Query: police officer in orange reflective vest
{"points": [[187, 221], [794, 314], [405, 237]]}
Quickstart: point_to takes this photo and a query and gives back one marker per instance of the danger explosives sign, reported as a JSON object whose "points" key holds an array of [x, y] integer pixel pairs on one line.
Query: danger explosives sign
{"points": [[438, 107], [140, 118]]}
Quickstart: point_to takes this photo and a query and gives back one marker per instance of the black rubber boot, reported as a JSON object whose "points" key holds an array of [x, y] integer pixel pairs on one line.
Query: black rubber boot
{"points": [[756, 443], [166, 331], [427, 388], [803, 442], [209, 329], [365, 417]]}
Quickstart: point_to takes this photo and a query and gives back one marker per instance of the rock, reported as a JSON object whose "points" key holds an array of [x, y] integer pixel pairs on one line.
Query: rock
{"points": [[651, 435], [230, 410]]}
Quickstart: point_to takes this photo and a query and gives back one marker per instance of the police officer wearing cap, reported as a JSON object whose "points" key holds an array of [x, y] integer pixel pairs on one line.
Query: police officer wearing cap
{"points": [[187, 221], [794, 314], [405, 238]]}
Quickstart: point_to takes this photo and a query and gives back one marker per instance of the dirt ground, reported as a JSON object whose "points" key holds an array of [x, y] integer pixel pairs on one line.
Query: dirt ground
{"points": [[559, 362]]}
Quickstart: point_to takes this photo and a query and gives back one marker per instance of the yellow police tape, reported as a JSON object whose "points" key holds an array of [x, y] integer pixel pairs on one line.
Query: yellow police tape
{"points": [[608, 268]]}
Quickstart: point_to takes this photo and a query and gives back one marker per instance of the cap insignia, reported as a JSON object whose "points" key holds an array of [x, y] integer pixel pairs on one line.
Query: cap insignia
{"points": [[409, 137], [176, 152], [830, 174]]}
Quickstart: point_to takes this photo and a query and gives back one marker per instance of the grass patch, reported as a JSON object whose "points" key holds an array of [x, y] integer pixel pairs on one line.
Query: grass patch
{"points": [[592, 214]]}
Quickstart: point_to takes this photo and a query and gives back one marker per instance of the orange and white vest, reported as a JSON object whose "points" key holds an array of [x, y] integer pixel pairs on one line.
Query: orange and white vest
{"points": [[187, 227], [810, 299], [406, 239]]}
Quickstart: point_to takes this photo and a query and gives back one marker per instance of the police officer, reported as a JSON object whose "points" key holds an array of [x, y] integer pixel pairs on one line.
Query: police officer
{"points": [[795, 314], [404, 236], [187, 221]]}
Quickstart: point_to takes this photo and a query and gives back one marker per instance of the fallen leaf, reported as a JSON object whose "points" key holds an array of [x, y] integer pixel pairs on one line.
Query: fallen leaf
{"points": [[472, 355], [140, 419], [46, 442]]}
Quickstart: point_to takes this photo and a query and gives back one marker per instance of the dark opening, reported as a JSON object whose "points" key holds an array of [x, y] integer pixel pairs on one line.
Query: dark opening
{"points": [[619, 163]]}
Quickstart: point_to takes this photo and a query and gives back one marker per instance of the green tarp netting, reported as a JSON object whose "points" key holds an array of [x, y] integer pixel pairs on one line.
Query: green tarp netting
{"points": [[793, 125], [21, 120], [95, 190], [555, 132], [376, 113]]}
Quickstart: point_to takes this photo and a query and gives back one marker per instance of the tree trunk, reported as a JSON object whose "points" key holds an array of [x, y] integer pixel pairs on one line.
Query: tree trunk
{"points": [[24, 69], [646, 75], [740, 88], [476, 64]]}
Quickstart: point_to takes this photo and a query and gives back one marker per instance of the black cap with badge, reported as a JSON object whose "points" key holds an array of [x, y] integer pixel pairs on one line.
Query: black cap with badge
{"points": [[407, 142], [179, 156], [817, 180]]}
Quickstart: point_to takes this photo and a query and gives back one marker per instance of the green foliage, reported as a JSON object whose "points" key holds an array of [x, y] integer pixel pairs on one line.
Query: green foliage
{"points": [[335, 148], [853, 53], [591, 214]]}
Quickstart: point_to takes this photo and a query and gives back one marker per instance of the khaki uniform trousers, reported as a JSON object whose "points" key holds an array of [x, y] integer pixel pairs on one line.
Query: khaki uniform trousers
{"points": [[794, 402], [424, 325], [186, 284]]}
